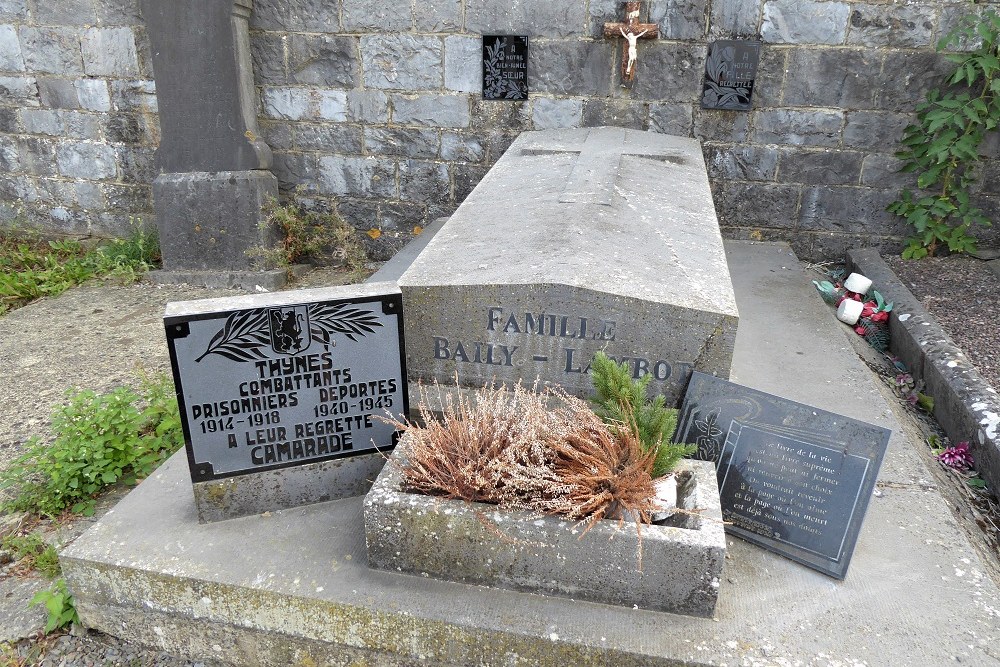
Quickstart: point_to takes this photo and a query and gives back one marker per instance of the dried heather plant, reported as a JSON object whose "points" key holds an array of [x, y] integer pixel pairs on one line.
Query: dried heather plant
{"points": [[511, 448]]}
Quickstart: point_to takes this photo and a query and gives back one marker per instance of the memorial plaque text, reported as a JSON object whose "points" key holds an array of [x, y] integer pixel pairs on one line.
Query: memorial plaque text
{"points": [[505, 67], [730, 71]]}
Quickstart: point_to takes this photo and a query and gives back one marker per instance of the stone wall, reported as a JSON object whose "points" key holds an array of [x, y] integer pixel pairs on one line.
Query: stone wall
{"points": [[77, 115], [374, 106]]}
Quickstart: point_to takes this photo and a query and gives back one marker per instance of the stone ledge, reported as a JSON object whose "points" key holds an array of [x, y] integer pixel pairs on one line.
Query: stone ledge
{"points": [[965, 404]]}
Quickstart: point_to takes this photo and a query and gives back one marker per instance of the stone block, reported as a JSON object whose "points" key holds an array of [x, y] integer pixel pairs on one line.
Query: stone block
{"points": [[490, 117], [849, 210], [401, 217], [37, 156], [747, 204], [423, 181], [475, 543], [368, 106], [467, 177], [51, 50], [741, 162], [278, 135], [601, 12], [535, 19], [669, 72], [88, 161], [137, 164], [463, 69], [894, 25], [357, 176], [431, 110], [269, 53], [551, 113], [734, 18], [328, 138], [127, 197], [804, 22], [22, 90], [138, 95], [14, 10], [384, 16], [110, 52], [331, 105], [64, 12], [324, 60], [88, 196], [93, 94], [10, 161], [456, 146], [402, 62], [10, 50], [570, 68], [287, 103], [118, 12], [847, 78], [866, 129], [297, 16], [123, 128], [438, 16], [820, 167], [402, 142], [798, 128], [8, 121], [680, 20], [207, 221], [296, 170], [674, 119], [770, 80], [519, 301], [58, 93], [42, 121], [880, 170], [916, 73], [616, 113], [725, 126]]}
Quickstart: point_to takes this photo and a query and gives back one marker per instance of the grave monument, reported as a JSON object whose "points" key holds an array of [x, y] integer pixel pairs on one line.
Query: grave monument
{"points": [[213, 168], [576, 241]]}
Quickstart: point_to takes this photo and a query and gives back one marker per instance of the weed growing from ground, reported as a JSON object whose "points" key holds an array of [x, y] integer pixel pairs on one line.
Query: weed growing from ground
{"points": [[33, 553], [307, 236], [31, 268], [100, 439], [59, 604]]}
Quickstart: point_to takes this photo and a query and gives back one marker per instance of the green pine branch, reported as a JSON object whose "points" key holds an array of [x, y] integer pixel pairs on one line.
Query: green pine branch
{"points": [[622, 403]]}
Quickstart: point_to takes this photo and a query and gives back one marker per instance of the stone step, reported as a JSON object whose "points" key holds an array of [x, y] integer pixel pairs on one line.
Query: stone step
{"points": [[292, 586]]}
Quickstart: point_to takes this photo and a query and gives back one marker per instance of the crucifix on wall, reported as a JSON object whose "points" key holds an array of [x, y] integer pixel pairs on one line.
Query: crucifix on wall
{"points": [[631, 31]]}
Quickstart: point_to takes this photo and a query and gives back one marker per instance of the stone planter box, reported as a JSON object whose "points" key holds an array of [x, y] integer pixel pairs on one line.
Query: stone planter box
{"points": [[479, 544]]}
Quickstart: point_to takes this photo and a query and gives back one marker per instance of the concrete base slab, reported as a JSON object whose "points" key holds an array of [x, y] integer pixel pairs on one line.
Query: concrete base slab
{"points": [[292, 587]]}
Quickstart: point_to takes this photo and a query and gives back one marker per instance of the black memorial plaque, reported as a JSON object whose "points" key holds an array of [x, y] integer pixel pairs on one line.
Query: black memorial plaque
{"points": [[505, 67], [730, 71], [288, 384], [793, 478]]}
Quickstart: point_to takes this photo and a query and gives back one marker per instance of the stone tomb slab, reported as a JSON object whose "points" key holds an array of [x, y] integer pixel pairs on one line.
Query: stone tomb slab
{"points": [[279, 394], [576, 241], [792, 478]]}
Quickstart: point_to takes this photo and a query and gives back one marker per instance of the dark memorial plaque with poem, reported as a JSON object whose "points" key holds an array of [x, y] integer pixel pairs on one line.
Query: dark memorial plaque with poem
{"points": [[792, 478], [505, 68], [288, 381], [730, 72]]}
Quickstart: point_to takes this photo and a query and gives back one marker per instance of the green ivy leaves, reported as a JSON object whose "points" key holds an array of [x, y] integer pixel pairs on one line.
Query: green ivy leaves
{"points": [[942, 147]]}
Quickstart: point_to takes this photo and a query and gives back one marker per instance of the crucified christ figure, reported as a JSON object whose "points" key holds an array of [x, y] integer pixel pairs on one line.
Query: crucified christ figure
{"points": [[632, 51]]}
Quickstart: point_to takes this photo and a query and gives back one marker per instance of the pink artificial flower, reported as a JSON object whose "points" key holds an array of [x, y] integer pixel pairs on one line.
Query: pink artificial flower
{"points": [[958, 457], [880, 316]]}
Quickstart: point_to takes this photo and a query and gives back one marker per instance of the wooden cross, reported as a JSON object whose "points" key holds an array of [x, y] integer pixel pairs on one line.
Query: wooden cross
{"points": [[631, 30]]}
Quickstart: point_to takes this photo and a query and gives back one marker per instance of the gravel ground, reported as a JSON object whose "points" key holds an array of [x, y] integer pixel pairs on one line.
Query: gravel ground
{"points": [[963, 295]]}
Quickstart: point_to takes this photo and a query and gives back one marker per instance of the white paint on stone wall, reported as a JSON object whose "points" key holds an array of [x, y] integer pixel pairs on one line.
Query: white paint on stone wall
{"points": [[990, 420], [904, 317]]}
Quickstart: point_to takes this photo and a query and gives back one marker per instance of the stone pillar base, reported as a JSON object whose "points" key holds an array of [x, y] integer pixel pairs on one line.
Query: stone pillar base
{"points": [[209, 220]]}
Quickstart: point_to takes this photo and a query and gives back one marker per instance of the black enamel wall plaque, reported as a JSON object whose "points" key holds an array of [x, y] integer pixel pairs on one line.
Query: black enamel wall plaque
{"points": [[793, 478], [505, 67], [279, 380], [730, 71]]}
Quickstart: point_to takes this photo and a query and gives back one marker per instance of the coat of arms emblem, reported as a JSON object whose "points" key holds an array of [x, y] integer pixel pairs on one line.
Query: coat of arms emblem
{"points": [[289, 329]]}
